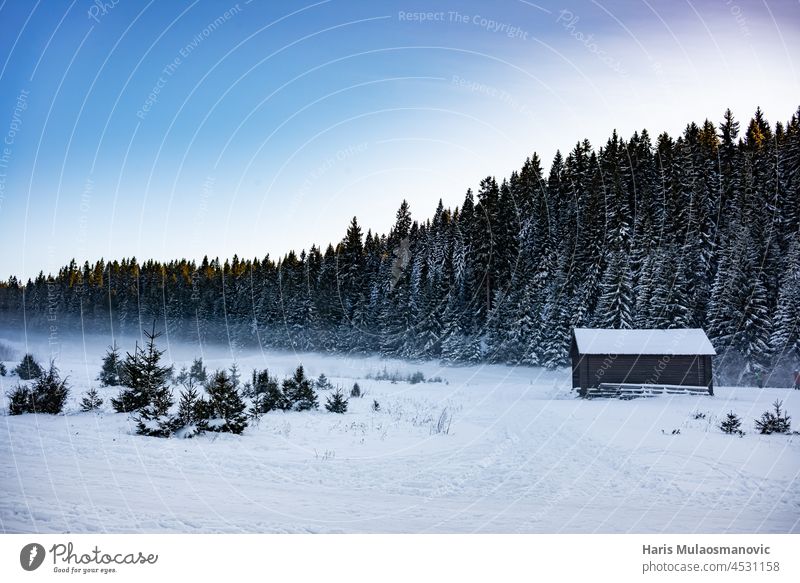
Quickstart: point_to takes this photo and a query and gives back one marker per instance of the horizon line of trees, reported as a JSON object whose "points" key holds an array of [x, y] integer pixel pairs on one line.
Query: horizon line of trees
{"points": [[702, 230]]}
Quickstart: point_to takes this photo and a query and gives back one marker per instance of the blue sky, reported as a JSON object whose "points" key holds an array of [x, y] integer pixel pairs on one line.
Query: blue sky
{"points": [[178, 129]]}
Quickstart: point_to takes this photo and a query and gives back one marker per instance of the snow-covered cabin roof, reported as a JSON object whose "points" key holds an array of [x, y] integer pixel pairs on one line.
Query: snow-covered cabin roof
{"points": [[681, 341]]}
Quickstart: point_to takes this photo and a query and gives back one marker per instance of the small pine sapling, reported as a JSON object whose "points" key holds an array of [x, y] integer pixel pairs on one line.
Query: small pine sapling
{"points": [[299, 393], [416, 378], [224, 411], [776, 421], [142, 376], [28, 369], [20, 400], [50, 392], [731, 424], [355, 391], [154, 418], [197, 372], [235, 375], [110, 371], [183, 376], [130, 396], [336, 403], [247, 390], [188, 415], [275, 399], [91, 401], [127, 370], [376, 407], [322, 383], [267, 393], [256, 406]]}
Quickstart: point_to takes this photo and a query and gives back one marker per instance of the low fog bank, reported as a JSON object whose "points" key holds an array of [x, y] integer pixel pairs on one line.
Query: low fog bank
{"points": [[69, 342], [80, 355]]}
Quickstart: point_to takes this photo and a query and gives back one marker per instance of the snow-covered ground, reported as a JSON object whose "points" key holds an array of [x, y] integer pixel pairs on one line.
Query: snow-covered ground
{"points": [[522, 455]]}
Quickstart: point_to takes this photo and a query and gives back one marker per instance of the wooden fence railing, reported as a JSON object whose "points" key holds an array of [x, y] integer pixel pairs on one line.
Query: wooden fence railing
{"points": [[635, 391]]}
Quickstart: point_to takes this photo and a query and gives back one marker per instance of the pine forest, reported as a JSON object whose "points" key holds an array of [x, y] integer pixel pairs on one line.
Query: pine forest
{"points": [[702, 230]]}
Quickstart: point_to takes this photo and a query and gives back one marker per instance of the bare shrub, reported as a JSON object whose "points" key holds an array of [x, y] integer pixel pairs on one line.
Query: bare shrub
{"points": [[442, 425]]}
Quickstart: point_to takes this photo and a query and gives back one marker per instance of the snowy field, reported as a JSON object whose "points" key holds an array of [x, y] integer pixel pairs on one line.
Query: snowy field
{"points": [[522, 455]]}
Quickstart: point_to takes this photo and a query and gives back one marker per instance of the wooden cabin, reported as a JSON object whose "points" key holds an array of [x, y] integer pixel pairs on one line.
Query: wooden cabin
{"points": [[676, 360]]}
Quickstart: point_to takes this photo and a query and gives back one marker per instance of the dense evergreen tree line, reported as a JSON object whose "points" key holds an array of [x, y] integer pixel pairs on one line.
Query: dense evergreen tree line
{"points": [[702, 230]]}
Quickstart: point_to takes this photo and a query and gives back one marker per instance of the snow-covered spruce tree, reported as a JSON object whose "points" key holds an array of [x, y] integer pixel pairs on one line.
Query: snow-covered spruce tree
{"points": [[745, 291], [456, 319], [182, 376], [731, 423], [197, 372], [110, 371], [616, 305], [336, 403], [154, 419], [3, 371], [775, 421], [130, 397], [91, 400], [351, 285], [465, 328], [671, 300], [298, 391], [50, 392], [553, 338], [256, 405], [396, 320], [756, 326], [143, 375], [485, 248], [28, 369], [234, 375], [308, 318], [785, 341], [355, 391], [645, 286], [322, 383], [20, 400], [224, 410], [188, 414], [268, 394]]}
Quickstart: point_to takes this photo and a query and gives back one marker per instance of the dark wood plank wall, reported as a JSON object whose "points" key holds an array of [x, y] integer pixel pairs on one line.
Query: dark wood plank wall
{"points": [[591, 370], [649, 369]]}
